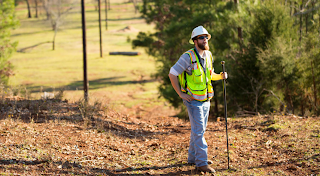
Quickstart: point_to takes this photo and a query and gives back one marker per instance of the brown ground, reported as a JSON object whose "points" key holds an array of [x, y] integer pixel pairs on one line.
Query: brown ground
{"points": [[52, 137]]}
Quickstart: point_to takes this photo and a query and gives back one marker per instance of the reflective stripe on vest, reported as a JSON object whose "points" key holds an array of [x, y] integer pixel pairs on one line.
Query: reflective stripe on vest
{"points": [[198, 84]]}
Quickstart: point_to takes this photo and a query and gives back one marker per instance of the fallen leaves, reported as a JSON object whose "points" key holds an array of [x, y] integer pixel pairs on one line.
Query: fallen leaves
{"points": [[60, 143]]}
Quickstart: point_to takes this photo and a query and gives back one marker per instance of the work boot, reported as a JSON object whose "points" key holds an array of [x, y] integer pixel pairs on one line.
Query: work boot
{"points": [[206, 168], [209, 162]]}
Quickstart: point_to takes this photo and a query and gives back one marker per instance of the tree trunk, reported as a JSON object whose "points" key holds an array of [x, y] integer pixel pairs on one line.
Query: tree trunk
{"points": [[240, 36], [291, 104], [135, 6], [288, 94], [29, 10], [314, 89], [144, 6], [256, 101], [45, 6], [300, 29], [290, 8], [239, 29], [54, 37], [106, 12], [312, 11], [99, 4], [307, 23], [302, 103], [36, 3], [59, 8]]}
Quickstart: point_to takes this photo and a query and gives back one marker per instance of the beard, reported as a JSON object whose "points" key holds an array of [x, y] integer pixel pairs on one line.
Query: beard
{"points": [[203, 47]]}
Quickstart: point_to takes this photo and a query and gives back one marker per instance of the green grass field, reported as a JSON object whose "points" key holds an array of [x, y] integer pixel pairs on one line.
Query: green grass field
{"points": [[114, 78]]}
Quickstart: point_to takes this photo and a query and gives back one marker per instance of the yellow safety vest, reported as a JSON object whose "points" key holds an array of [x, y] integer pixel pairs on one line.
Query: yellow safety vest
{"points": [[198, 84]]}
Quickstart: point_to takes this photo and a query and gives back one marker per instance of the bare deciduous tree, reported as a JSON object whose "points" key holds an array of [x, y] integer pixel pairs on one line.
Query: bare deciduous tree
{"points": [[136, 8], [56, 11]]}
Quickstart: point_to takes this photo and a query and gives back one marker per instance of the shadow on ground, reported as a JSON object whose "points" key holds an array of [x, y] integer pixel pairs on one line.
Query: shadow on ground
{"points": [[93, 84], [76, 168]]}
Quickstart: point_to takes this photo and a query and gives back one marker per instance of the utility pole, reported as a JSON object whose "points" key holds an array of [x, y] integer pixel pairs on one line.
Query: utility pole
{"points": [[99, 4], [84, 44]]}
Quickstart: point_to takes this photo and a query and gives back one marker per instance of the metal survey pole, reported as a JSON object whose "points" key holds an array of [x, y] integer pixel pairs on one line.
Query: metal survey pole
{"points": [[84, 44], [225, 109]]}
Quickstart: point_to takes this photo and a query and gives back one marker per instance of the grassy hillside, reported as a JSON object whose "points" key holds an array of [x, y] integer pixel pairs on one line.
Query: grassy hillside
{"points": [[118, 80]]}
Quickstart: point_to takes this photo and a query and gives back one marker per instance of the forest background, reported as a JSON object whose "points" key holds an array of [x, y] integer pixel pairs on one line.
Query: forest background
{"points": [[271, 49]]}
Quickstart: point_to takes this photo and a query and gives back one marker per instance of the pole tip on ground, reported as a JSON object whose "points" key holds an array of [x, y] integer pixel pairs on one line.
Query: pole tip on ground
{"points": [[232, 170]]}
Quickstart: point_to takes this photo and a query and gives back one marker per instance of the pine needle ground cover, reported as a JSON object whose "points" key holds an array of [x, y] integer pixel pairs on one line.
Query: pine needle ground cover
{"points": [[54, 137]]}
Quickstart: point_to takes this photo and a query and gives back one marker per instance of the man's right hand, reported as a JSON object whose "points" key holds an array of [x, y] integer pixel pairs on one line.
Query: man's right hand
{"points": [[185, 96], [175, 83]]}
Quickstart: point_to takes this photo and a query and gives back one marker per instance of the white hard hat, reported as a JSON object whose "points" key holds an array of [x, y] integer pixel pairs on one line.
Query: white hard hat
{"points": [[200, 30]]}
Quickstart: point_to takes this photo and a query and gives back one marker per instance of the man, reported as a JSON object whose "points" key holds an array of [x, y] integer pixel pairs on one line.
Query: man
{"points": [[191, 78]]}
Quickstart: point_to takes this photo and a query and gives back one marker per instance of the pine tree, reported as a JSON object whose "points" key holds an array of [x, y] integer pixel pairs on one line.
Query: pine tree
{"points": [[174, 22], [273, 63]]}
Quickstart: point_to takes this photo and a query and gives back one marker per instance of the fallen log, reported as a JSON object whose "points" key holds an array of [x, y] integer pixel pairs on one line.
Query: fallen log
{"points": [[125, 53]]}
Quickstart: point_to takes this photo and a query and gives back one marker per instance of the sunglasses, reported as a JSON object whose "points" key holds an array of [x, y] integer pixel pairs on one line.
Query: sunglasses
{"points": [[202, 37]]}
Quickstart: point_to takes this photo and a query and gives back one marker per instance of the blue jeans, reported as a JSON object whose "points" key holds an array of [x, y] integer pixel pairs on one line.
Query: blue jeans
{"points": [[198, 115]]}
